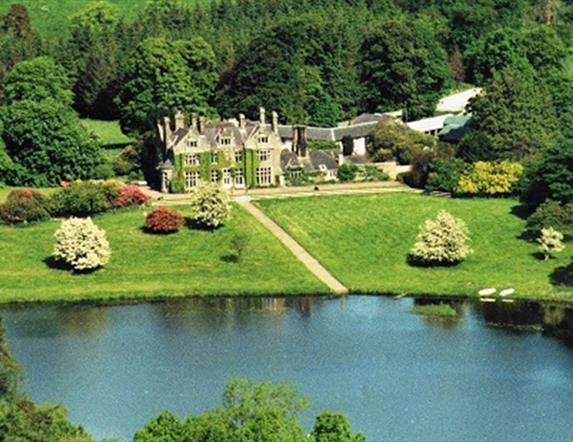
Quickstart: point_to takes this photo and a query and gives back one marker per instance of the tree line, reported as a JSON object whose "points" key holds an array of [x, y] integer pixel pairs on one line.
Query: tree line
{"points": [[315, 62]]}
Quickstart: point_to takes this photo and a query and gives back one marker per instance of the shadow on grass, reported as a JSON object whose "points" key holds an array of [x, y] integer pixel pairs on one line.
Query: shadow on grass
{"points": [[416, 262], [57, 264], [521, 211], [154, 232], [538, 255], [230, 258], [194, 225], [562, 276]]}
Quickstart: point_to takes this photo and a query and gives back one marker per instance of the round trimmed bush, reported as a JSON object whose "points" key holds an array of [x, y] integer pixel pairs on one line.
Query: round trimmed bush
{"points": [[81, 244], [24, 205], [210, 206], [130, 195], [441, 241], [163, 220]]}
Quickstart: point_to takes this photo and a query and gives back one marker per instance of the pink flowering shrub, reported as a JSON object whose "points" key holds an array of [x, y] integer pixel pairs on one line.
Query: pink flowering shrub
{"points": [[130, 195]]}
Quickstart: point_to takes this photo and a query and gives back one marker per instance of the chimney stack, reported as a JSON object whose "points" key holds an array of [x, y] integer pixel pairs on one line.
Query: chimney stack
{"points": [[262, 116], [242, 121], [167, 130], [201, 125], [275, 125], [193, 122], [179, 120]]}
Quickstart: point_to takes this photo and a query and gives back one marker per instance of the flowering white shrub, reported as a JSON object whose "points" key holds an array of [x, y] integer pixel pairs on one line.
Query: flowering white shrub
{"points": [[81, 244], [209, 206], [441, 241], [550, 241]]}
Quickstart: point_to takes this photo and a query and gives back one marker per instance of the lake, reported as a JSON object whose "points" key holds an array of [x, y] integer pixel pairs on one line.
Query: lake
{"points": [[502, 372]]}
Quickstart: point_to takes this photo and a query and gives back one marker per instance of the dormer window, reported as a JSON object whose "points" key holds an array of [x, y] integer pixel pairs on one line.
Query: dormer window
{"points": [[225, 141], [264, 139], [191, 143]]}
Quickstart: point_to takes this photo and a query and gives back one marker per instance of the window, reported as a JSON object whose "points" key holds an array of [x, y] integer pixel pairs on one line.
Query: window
{"points": [[191, 180], [214, 176], [214, 157], [191, 143], [264, 176], [227, 178], [191, 160], [263, 139], [239, 178], [225, 141], [263, 155], [238, 156], [165, 182]]}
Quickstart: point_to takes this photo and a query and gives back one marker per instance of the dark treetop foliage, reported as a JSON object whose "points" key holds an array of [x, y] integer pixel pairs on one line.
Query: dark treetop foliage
{"points": [[516, 114], [36, 80], [164, 76], [403, 66], [550, 177], [47, 143]]}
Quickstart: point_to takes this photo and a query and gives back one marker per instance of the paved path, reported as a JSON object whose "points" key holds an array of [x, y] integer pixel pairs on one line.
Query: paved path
{"points": [[171, 199], [312, 264]]}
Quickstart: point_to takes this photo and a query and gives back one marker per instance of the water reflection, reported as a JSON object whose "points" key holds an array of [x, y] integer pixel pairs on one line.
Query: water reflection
{"points": [[83, 320], [441, 321], [183, 316], [550, 319]]}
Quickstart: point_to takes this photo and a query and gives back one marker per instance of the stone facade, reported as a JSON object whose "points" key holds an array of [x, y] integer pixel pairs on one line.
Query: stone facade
{"points": [[238, 154]]}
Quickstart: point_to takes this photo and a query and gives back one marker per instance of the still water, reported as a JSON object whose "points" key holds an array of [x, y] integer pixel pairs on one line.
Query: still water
{"points": [[396, 375]]}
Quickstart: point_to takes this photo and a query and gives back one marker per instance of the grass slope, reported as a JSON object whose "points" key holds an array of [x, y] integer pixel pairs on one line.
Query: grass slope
{"points": [[108, 132], [189, 262], [364, 241], [52, 17]]}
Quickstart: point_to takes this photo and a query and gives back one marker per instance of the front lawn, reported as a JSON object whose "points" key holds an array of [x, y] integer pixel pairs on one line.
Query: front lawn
{"points": [[364, 241], [189, 262]]}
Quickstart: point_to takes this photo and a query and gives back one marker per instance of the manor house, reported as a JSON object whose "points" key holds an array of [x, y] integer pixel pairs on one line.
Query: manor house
{"points": [[235, 153]]}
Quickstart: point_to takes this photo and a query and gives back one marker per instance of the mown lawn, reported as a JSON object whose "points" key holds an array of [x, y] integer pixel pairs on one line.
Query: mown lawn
{"points": [[189, 262], [364, 241]]}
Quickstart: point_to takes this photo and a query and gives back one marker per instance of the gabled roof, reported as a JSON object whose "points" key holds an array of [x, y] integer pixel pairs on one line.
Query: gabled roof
{"points": [[213, 131], [366, 123], [328, 157]]}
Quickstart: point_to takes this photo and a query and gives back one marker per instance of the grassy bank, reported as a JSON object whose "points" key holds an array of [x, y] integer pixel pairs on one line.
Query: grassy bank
{"points": [[189, 262], [108, 132], [364, 240], [52, 17]]}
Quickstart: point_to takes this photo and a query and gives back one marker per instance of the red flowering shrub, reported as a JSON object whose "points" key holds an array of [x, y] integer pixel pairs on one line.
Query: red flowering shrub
{"points": [[24, 205], [163, 220], [130, 195]]}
